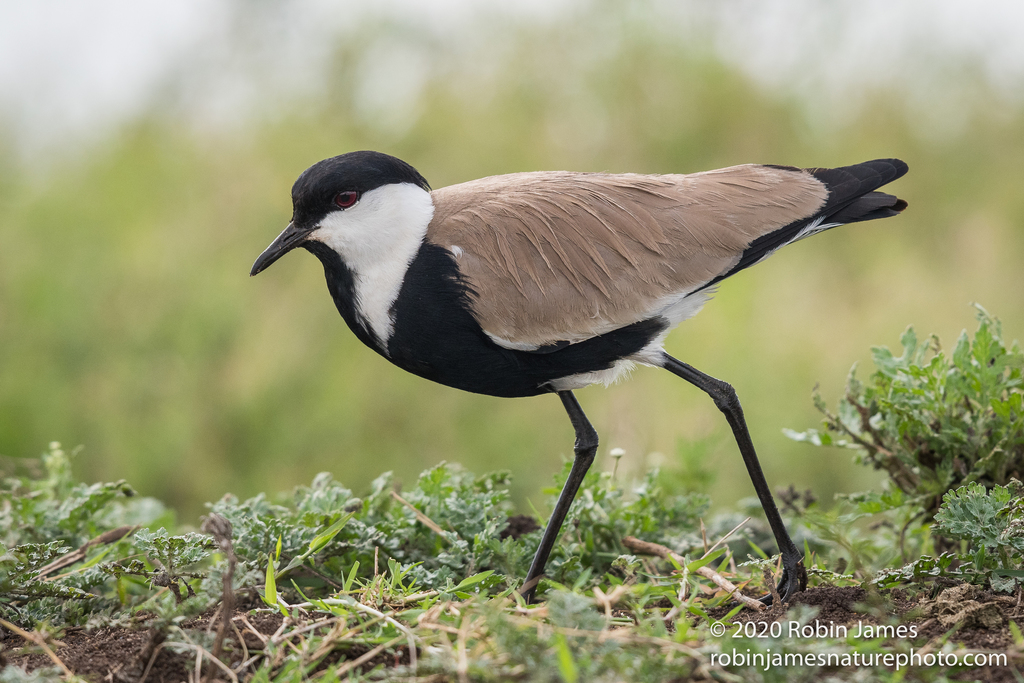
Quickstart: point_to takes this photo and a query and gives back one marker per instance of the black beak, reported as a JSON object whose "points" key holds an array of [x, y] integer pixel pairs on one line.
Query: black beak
{"points": [[290, 238]]}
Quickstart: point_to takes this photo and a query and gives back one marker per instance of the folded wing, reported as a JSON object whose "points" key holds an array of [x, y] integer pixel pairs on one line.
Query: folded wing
{"points": [[556, 257]]}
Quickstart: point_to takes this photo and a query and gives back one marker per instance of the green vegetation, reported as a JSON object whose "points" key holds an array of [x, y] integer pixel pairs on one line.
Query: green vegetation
{"points": [[949, 433], [323, 553], [322, 527], [396, 585], [935, 423]]}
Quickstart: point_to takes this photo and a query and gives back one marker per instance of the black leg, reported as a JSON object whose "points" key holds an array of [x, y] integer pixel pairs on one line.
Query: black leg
{"points": [[586, 447], [794, 576]]}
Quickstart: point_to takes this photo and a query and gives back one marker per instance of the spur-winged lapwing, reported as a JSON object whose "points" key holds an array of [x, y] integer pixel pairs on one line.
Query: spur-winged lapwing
{"points": [[534, 283]]}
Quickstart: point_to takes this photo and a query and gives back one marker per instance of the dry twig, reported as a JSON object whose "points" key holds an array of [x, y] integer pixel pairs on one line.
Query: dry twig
{"points": [[219, 527], [608, 600], [647, 548], [427, 522], [106, 538], [725, 538], [152, 660], [38, 639], [770, 580]]}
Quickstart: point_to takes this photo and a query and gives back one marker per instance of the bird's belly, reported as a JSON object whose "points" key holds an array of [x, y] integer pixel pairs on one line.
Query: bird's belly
{"points": [[500, 372]]}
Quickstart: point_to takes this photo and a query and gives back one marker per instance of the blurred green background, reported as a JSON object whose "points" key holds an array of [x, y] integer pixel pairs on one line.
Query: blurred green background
{"points": [[129, 325]]}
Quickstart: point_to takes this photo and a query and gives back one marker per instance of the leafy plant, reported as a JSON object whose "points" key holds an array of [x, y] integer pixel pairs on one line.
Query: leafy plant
{"points": [[56, 507], [991, 522], [990, 525], [167, 556], [447, 527], [931, 421], [50, 524], [19, 568]]}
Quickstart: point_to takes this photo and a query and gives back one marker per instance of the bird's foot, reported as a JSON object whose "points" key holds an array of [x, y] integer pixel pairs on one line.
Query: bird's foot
{"points": [[794, 580]]}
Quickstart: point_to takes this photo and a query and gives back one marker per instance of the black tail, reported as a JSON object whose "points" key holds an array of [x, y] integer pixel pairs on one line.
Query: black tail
{"points": [[851, 195], [851, 198]]}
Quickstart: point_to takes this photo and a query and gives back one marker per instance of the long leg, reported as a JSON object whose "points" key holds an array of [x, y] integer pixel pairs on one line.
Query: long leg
{"points": [[794, 576], [586, 447]]}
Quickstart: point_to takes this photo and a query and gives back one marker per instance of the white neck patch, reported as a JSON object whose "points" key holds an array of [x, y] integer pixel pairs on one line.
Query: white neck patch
{"points": [[378, 238]]}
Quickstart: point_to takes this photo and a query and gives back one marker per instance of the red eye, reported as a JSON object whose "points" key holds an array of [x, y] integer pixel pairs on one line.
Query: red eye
{"points": [[346, 199]]}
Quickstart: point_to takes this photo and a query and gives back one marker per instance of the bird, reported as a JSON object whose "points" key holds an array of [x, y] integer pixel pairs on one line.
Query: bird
{"points": [[546, 282]]}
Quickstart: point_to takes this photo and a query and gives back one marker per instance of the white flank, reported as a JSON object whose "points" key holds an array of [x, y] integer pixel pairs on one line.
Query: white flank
{"points": [[682, 306], [511, 345], [378, 238], [613, 374], [675, 309]]}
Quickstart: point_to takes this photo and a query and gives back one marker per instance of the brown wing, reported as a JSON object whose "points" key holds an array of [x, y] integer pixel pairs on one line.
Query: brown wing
{"points": [[558, 256]]}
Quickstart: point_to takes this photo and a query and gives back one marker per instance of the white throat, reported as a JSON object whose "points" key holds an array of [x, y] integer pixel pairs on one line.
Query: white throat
{"points": [[377, 239]]}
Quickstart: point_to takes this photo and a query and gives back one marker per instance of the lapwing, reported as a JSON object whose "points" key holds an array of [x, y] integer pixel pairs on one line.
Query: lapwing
{"points": [[546, 282]]}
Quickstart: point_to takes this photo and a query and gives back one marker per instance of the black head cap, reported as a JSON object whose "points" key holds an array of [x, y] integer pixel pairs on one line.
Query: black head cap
{"points": [[313, 193]]}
